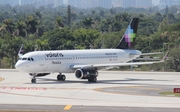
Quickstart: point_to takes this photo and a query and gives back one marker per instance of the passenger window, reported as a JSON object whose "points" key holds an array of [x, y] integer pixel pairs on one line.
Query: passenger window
{"points": [[32, 59], [29, 59]]}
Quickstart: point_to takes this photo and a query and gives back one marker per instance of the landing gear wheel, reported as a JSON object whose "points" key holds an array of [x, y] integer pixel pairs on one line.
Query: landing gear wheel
{"points": [[61, 77], [33, 80], [93, 79], [89, 80]]}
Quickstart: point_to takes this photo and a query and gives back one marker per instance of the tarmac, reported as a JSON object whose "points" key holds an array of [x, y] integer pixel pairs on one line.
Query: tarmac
{"points": [[114, 91]]}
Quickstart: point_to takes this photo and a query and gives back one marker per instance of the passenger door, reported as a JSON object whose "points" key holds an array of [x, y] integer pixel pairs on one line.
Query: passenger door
{"points": [[41, 63]]}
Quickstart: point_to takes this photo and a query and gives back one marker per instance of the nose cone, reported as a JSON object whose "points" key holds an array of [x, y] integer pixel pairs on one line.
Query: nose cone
{"points": [[19, 66], [139, 52]]}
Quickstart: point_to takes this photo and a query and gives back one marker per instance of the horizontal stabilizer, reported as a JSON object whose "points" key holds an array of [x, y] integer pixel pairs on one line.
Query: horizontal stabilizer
{"points": [[145, 54]]}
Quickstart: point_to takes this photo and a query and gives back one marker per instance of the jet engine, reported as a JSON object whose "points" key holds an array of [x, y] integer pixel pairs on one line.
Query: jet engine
{"points": [[39, 74], [85, 73]]}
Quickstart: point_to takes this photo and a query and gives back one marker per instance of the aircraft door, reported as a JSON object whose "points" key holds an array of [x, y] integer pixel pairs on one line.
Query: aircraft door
{"points": [[41, 60], [121, 57], [42, 66]]}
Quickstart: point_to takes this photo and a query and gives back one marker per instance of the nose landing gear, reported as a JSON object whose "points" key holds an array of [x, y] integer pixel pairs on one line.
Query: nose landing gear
{"points": [[33, 80]]}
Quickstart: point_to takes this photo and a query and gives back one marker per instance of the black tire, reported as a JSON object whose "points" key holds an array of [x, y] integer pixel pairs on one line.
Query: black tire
{"points": [[90, 80], [63, 77], [94, 79], [59, 77], [33, 80]]}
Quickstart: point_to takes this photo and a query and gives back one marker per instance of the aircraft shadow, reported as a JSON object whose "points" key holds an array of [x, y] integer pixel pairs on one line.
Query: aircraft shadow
{"points": [[116, 81]]}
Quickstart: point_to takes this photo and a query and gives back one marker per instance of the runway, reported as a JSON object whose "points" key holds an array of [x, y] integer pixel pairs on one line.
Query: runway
{"points": [[114, 91]]}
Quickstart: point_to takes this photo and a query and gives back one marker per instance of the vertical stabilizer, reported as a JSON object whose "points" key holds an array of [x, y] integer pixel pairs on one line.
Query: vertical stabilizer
{"points": [[128, 39]]}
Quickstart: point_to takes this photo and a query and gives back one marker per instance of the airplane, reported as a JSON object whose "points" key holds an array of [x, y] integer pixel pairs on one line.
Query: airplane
{"points": [[83, 63]]}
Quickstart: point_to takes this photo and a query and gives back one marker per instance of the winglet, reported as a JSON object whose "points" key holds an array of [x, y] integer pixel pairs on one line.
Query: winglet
{"points": [[20, 50]]}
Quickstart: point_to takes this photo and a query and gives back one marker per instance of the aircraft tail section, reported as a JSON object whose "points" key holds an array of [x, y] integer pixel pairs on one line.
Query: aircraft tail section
{"points": [[128, 39]]}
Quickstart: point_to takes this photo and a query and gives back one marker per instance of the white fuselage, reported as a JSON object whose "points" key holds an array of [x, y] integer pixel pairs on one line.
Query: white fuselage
{"points": [[61, 60]]}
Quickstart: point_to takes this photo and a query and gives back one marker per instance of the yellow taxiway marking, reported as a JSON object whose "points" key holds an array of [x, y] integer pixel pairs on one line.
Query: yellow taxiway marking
{"points": [[1, 79], [67, 107]]}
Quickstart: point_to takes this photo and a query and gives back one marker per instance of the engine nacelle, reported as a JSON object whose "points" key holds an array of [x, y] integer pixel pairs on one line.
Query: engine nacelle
{"points": [[85, 73], [39, 74]]}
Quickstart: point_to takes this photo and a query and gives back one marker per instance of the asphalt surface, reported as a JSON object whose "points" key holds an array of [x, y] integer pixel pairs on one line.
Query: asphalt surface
{"points": [[115, 91], [60, 108]]}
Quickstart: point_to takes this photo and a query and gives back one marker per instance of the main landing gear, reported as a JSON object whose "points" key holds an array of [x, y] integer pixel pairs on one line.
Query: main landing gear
{"points": [[61, 77], [92, 79]]}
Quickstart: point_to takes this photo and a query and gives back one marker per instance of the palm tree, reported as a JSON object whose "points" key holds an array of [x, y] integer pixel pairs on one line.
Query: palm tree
{"points": [[59, 22], [31, 24], [87, 22], [21, 26], [9, 25]]}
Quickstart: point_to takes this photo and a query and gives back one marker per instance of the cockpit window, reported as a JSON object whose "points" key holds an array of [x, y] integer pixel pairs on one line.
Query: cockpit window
{"points": [[29, 59], [24, 59]]}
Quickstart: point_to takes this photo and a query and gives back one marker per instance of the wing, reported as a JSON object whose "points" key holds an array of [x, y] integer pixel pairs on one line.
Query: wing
{"points": [[112, 65]]}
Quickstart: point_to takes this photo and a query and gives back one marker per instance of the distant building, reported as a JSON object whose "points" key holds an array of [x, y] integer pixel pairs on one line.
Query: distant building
{"points": [[90, 3], [129, 3], [58, 3], [11, 2], [55, 3], [133, 3], [143, 3], [164, 3], [119, 3], [105, 3]]}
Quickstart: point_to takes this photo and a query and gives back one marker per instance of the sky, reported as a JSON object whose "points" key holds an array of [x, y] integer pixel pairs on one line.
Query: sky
{"points": [[65, 1], [155, 2]]}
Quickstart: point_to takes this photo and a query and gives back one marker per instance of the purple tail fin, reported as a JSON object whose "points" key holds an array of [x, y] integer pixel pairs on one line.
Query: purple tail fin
{"points": [[128, 39]]}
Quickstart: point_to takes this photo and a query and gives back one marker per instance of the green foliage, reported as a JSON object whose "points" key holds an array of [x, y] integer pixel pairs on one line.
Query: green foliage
{"points": [[47, 28], [84, 37], [87, 22], [174, 59], [57, 39], [59, 22]]}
